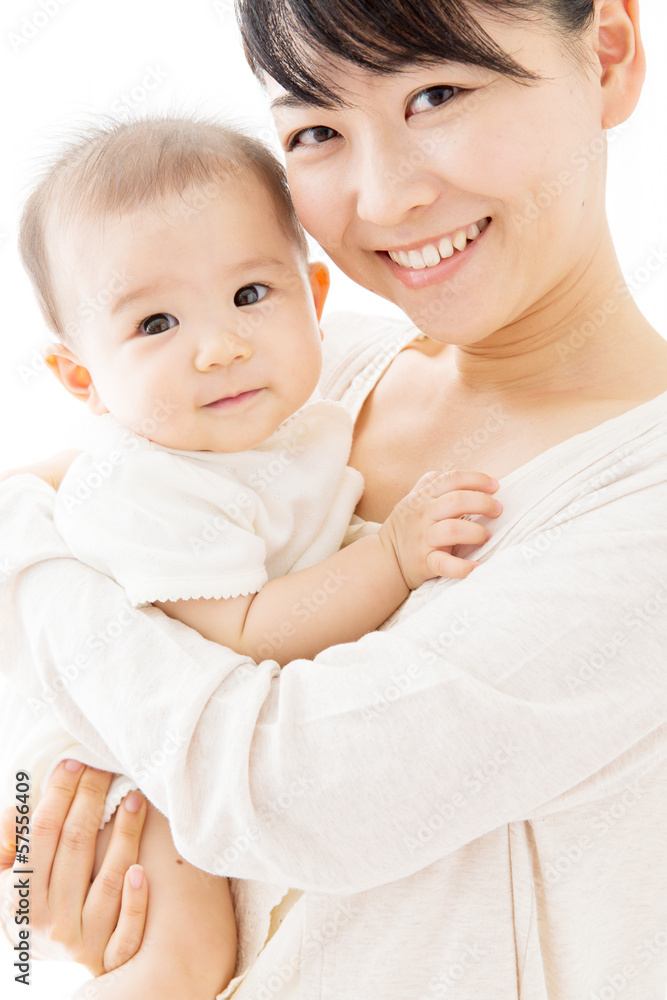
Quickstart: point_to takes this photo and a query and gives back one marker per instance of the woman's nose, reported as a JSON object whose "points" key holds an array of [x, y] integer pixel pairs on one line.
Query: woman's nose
{"points": [[221, 347], [392, 180]]}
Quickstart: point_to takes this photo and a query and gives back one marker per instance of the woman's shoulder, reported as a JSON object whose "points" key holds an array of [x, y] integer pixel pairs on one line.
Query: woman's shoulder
{"points": [[352, 341]]}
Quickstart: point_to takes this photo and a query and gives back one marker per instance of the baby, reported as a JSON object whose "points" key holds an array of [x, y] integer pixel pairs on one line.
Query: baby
{"points": [[170, 264]]}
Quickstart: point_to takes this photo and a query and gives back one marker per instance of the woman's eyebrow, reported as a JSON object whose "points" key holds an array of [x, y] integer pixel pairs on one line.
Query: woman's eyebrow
{"points": [[294, 102]]}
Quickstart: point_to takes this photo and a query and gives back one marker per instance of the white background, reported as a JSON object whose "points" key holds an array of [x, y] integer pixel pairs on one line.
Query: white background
{"points": [[91, 57]]}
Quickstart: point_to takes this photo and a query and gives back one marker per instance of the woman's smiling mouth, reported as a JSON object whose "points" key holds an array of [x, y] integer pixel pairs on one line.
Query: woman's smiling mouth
{"points": [[430, 255], [420, 267]]}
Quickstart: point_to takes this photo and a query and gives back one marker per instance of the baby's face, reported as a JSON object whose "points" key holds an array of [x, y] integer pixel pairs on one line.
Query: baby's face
{"points": [[196, 320]]}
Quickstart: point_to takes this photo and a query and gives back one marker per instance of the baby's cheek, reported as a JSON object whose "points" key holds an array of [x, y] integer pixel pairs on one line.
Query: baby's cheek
{"points": [[166, 422]]}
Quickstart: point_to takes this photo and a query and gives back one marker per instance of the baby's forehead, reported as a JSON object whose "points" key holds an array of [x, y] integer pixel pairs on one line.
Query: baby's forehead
{"points": [[85, 245], [101, 223]]}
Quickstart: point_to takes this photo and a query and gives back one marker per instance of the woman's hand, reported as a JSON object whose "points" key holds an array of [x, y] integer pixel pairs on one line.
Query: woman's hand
{"points": [[51, 470], [97, 922]]}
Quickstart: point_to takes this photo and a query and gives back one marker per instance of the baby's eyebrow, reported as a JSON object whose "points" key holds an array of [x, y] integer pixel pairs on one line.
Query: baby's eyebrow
{"points": [[261, 260], [249, 264], [133, 295]]}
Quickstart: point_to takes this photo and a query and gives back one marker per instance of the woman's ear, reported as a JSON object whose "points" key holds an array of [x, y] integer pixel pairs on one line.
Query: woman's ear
{"points": [[319, 283], [74, 376], [621, 54]]}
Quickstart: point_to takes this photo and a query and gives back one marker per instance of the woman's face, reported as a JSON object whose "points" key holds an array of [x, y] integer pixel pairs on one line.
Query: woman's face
{"points": [[419, 160]]}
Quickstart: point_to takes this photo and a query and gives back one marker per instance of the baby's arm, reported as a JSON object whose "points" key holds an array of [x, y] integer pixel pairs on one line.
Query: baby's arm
{"points": [[189, 944], [356, 589]]}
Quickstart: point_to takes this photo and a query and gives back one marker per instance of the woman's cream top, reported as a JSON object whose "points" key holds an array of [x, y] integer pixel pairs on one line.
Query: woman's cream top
{"points": [[474, 799]]}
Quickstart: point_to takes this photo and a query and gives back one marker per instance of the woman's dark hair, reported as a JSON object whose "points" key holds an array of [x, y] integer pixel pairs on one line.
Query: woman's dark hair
{"points": [[381, 36]]}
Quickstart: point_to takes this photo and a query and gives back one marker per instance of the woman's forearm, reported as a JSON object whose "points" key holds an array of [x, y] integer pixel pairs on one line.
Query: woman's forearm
{"points": [[382, 741]]}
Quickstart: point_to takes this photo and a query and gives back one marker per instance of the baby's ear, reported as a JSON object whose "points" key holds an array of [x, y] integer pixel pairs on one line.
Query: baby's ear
{"points": [[74, 376], [319, 284]]}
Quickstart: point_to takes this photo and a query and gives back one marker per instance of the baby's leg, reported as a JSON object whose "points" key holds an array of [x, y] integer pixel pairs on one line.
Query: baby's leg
{"points": [[189, 945]]}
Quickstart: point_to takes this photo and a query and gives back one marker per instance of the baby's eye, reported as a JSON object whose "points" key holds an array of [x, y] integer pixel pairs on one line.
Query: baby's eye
{"points": [[432, 97], [314, 136], [158, 323], [249, 294]]}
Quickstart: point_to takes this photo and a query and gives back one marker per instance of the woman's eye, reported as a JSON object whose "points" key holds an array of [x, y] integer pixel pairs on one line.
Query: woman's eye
{"points": [[432, 97], [249, 294], [158, 323], [314, 136]]}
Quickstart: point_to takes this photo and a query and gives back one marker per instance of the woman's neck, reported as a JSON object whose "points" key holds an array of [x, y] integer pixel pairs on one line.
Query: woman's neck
{"points": [[588, 337], [584, 357]]}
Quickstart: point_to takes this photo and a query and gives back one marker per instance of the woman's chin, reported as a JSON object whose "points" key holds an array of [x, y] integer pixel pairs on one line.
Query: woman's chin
{"points": [[463, 320]]}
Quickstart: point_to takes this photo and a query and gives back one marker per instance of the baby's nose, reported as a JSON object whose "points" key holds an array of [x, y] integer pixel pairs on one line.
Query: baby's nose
{"points": [[221, 347]]}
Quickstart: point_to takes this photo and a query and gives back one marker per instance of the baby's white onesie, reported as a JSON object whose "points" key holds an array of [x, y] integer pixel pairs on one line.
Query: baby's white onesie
{"points": [[169, 525]]}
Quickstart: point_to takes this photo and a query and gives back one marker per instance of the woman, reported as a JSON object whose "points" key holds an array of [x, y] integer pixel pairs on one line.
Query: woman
{"points": [[472, 800]]}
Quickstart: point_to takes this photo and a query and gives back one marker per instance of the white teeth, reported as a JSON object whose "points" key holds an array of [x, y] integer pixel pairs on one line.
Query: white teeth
{"points": [[446, 247], [400, 257], [416, 259], [460, 241], [430, 255]]}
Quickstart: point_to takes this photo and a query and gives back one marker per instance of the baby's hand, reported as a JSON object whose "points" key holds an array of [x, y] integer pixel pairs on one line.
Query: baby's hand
{"points": [[425, 525]]}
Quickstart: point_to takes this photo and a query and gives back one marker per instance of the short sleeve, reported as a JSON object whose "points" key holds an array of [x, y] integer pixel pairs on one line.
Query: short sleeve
{"points": [[163, 527], [358, 528]]}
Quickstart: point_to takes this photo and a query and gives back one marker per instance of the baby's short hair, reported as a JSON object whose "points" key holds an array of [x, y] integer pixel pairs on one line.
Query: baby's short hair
{"points": [[119, 167]]}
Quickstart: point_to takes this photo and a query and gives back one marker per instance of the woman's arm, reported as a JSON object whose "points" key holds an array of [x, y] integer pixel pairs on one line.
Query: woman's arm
{"points": [[51, 469], [521, 666]]}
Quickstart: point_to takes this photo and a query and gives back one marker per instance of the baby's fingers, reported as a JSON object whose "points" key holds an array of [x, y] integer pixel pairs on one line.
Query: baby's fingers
{"points": [[460, 502], [126, 939], [444, 564], [435, 484], [457, 531]]}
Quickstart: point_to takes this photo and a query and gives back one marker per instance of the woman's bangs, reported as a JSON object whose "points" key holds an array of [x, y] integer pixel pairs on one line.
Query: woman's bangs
{"points": [[290, 40]]}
